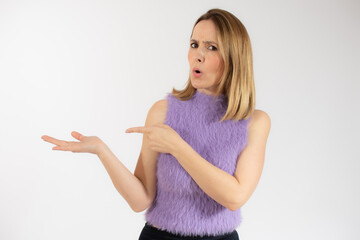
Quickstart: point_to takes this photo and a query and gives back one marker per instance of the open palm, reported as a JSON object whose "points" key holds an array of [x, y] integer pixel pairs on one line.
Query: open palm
{"points": [[89, 144]]}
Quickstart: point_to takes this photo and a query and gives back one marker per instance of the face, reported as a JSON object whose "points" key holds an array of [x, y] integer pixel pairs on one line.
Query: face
{"points": [[204, 56]]}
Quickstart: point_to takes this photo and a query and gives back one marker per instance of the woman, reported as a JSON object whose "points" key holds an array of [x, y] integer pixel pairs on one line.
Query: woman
{"points": [[203, 147]]}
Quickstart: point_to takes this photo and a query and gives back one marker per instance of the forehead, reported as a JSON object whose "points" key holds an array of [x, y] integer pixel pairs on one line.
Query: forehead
{"points": [[205, 30]]}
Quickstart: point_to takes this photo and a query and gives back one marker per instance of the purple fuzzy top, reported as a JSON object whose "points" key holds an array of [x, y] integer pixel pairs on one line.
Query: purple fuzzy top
{"points": [[181, 206]]}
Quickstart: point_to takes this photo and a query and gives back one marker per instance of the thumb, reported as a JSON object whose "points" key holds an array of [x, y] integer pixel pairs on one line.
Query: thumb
{"points": [[77, 135]]}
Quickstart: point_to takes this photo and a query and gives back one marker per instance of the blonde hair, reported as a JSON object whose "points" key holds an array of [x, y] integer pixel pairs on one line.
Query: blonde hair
{"points": [[237, 80]]}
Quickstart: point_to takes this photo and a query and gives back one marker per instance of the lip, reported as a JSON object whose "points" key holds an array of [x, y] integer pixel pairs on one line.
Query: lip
{"points": [[195, 74]]}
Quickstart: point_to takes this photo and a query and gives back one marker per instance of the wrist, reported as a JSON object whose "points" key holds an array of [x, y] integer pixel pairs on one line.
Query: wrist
{"points": [[179, 148], [101, 149]]}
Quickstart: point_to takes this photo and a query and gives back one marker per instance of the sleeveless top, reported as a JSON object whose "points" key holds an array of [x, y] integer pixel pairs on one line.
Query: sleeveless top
{"points": [[181, 206]]}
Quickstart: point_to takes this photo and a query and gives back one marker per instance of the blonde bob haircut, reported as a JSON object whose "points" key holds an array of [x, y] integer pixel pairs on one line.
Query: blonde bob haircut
{"points": [[237, 80]]}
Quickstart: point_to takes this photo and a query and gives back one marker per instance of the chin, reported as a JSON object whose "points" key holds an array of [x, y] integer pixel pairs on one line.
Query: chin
{"points": [[197, 85]]}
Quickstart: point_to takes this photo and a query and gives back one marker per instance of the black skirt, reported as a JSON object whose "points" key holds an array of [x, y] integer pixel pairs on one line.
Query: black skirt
{"points": [[151, 233]]}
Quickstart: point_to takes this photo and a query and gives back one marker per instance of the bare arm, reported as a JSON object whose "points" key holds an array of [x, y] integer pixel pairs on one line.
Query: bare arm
{"points": [[138, 189], [128, 185], [230, 191]]}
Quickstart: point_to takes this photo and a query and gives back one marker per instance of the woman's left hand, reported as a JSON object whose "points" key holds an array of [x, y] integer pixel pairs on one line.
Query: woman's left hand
{"points": [[162, 137]]}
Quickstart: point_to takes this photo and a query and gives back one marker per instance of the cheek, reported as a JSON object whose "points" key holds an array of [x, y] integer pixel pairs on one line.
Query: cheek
{"points": [[217, 64]]}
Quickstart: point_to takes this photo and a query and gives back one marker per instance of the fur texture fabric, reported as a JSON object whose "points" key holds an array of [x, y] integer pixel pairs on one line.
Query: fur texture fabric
{"points": [[181, 206]]}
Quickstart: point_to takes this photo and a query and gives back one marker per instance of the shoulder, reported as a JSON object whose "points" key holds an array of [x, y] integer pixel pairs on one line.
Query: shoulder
{"points": [[157, 112], [160, 104], [260, 120]]}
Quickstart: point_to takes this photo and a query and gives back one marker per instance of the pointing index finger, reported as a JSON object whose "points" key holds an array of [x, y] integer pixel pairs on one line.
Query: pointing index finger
{"points": [[137, 129]]}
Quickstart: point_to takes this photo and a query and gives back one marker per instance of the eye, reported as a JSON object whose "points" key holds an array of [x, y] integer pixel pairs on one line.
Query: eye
{"points": [[213, 48], [192, 44]]}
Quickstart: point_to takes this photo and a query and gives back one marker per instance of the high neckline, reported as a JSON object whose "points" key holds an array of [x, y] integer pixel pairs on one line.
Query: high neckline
{"points": [[199, 94], [209, 102]]}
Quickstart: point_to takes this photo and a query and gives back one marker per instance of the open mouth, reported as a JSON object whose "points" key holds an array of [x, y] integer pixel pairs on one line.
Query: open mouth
{"points": [[197, 73], [196, 70]]}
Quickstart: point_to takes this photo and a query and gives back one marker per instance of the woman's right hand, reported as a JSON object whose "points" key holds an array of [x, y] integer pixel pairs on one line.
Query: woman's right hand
{"points": [[89, 144]]}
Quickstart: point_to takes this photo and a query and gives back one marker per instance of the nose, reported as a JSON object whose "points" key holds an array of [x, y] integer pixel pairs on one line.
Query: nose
{"points": [[199, 57]]}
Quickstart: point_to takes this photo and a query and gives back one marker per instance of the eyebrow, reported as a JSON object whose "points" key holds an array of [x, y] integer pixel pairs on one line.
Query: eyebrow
{"points": [[208, 42]]}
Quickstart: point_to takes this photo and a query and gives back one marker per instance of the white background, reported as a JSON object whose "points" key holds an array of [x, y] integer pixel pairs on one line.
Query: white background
{"points": [[98, 66]]}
